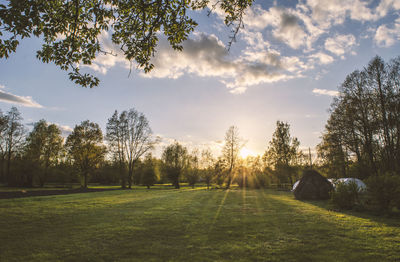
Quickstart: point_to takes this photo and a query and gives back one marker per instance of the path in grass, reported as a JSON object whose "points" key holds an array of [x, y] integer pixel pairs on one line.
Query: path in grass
{"points": [[189, 225]]}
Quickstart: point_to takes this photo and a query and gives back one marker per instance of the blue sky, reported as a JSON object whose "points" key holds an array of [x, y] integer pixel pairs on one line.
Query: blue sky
{"points": [[286, 65]]}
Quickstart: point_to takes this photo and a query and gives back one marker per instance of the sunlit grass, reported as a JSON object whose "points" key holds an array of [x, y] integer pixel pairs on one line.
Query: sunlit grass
{"points": [[190, 225]]}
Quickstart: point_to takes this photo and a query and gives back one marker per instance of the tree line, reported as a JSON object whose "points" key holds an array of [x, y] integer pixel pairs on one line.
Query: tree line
{"points": [[362, 134], [361, 139], [123, 155]]}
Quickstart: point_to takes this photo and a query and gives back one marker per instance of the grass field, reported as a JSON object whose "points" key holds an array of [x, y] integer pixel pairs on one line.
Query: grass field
{"points": [[190, 225]]}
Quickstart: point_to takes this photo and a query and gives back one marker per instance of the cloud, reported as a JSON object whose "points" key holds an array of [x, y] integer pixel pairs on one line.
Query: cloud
{"points": [[340, 44], [289, 31], [26, 101], [285, 24], [328, 12], [385, 5], [385, 36], [65, 130], [104, 62], [206, 56], [305, 28], [322, 58], [325, 92]]}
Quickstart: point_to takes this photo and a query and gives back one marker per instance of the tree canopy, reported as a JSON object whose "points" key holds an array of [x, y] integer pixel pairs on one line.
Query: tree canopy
{"points": [[71, 29], [85, 147]]}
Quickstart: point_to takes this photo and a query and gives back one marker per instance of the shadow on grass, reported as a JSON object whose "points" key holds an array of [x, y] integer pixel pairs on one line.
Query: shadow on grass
{"points": [[389, 219]]}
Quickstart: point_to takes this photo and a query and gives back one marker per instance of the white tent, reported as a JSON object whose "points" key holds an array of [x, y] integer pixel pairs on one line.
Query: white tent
{"points": [[360, 184], [295, 185]]}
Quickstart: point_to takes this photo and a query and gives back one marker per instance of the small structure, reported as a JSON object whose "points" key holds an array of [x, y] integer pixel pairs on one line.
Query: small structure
{"points": [[347, 180], [312, 186]]}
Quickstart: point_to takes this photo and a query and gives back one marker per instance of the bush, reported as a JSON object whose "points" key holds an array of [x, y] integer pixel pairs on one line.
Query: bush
{"points": [[384, 191], [345, 195]]}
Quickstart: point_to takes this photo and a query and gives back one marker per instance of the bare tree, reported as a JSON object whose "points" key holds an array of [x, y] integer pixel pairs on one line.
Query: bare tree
{"points": [[130, 137], [137, 137], [3, 129], [230, 151], [116, 142], [12, 139]]}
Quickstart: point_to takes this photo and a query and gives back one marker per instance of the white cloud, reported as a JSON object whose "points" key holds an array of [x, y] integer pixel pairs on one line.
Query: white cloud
{"points": [[261, 61], [104, 62], [385, 5], [325, 92], [285, 24], [328, 12], [206, 56], [10, 98], [340, 44], [385, 36], [322, 58], [66, 130]]}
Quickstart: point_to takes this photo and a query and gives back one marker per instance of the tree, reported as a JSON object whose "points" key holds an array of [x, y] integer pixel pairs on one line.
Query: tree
{"points": [[44, 145], [130, 137], [230, 151], [3, 129], [174, 159], [71, 29], [116, 143], [149, 176], [85, 147], [12, 134], [207, 164], [283, 151], [138, 139], [193, 168], [362, 135]]}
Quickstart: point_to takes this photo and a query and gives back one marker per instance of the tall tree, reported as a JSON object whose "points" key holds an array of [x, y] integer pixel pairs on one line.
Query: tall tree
{"points": [[116, 143], [12, 140], [192, 170], [230, 151], [44, 146], [3, 129], [86, 149], [174, 160], [283, 151], [207, 164], [130, 138], [138, 139], [72, 30], [365, 121], [149, 176]]}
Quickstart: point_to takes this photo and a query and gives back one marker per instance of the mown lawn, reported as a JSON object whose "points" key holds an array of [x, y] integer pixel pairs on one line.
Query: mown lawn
{"points": [[190, 225]]}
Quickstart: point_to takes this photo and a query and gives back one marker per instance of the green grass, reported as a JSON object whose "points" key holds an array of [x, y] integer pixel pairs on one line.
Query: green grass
{"points": [[190, 225]]}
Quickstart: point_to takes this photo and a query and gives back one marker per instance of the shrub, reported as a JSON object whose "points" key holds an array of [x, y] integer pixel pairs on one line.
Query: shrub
{"points": [[345, 195], [384, 191]]}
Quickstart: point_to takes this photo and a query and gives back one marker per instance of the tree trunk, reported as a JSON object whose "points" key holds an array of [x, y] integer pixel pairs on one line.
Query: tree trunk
{"points": [[85, 180], [122, 175], [228, 183], [10, 180]]}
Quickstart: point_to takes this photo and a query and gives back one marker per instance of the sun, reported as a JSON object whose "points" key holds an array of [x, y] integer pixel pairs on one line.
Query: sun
{"points": [[245, 152]]}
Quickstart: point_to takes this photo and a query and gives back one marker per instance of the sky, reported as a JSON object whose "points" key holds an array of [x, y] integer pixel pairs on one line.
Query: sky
{"points": [[286, 64]]}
